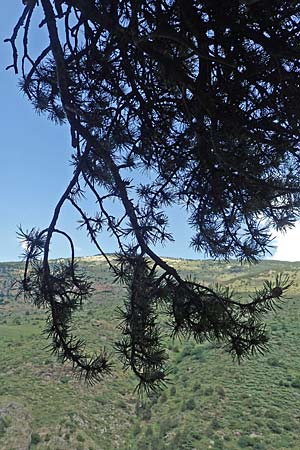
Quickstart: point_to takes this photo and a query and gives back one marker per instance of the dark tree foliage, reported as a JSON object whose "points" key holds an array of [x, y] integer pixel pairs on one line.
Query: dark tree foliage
{"points": [[202, 98]]}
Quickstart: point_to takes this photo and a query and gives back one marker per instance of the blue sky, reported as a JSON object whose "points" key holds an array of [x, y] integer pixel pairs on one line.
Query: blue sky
{"points": [[35, 169]]}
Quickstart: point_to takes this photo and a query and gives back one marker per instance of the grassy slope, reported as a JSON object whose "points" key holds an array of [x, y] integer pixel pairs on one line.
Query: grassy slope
{"points": [[211, 403]]}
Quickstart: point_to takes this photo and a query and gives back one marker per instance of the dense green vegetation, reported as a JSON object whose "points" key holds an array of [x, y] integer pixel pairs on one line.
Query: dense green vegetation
{"points": [[210, 403]]}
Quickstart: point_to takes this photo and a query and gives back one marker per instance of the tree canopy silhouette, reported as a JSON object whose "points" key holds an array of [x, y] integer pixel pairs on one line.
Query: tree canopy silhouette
{"points": [[202, 97]]}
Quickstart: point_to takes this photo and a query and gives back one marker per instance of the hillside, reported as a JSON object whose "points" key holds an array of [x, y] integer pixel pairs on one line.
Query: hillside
{"points": [[210, 403]]}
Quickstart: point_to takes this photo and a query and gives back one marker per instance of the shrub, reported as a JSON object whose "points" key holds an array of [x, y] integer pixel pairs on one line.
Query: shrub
{"points": [[198, 354], [197, 387], [80, 438], [163, 397], [196, 435], [221, 392], [3, 426], [149, 431], [35, 438], [271, 413], [154, 397], [246, 441], [209, 390], [296, 382], [143, 412], [64, 379], [172, 390], [166, 425], [273, 426], [215, 424], [100, 399], [188, 349], [136, 429], [218, 443], [189, 404]]}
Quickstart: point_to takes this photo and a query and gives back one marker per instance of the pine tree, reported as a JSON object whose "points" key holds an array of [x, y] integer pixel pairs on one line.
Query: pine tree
{"points": [[203, 97]]}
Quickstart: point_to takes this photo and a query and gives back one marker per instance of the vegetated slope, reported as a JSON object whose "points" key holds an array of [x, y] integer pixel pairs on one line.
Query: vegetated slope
{"points": [[211, 402]]}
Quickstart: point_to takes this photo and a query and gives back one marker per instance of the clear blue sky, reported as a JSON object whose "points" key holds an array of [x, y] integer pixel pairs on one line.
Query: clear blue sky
{"points": [[34, 167]]}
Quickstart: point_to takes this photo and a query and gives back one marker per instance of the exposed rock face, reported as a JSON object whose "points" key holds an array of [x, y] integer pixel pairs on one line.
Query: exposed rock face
{"points": [[15, 429]]}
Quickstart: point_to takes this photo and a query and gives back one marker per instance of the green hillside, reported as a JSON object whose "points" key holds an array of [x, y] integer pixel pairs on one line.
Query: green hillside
{"points": [[210, 403]]}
